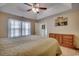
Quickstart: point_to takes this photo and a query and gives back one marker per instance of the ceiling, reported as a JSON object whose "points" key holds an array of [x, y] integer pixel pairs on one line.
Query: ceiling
{"points": [[20, 9]]}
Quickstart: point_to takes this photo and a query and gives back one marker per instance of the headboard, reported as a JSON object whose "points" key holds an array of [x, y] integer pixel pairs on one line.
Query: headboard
{"points": [[66, 40]]}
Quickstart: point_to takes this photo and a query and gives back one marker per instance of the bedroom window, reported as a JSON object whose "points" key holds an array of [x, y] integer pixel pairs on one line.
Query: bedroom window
{"points": [[26, 28], [18, 28]]}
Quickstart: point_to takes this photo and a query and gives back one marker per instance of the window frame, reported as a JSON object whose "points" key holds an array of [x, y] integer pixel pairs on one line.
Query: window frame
{"points": [[20, 35]]}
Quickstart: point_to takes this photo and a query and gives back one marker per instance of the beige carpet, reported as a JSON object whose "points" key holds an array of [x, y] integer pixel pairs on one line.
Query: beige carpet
{"points": [[69, 52]]}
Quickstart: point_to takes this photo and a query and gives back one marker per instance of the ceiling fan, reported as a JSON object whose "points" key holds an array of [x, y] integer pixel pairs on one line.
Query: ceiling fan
{"points": [[35, 7]]}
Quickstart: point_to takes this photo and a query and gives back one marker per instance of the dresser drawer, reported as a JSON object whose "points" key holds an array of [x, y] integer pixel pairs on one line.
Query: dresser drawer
{"points": [[67, 37], [64, 39], [70, 46], [68, 43], [67, 40]]}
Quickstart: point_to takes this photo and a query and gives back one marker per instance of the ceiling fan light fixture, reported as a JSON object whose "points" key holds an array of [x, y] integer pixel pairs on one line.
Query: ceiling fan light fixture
{"points": [[35, 9]]}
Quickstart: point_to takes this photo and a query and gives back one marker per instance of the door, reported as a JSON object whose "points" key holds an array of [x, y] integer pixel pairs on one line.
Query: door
{"points": [[43, 30]]}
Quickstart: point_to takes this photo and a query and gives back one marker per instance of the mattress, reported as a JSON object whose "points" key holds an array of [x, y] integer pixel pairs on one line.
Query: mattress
{"points": [[31, 47]]}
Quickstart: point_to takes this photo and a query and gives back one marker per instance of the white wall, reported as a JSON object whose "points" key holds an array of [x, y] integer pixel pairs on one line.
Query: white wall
{"points": [[71, 28]]}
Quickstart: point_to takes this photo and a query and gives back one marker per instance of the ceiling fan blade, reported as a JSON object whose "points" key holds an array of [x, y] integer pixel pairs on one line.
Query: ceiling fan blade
{"points": [[28, 4], [43, 8], [29, 9]]}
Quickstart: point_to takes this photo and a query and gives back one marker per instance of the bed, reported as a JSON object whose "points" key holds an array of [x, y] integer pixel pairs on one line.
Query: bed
{"points": [[29, 46]]}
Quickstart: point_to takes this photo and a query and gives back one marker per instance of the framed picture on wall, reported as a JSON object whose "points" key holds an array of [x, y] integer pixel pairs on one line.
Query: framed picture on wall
{"points": [[61, 21]]}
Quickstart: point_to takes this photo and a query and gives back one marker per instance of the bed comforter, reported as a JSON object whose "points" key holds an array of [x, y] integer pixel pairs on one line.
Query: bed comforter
{"points": [[42, 47]]}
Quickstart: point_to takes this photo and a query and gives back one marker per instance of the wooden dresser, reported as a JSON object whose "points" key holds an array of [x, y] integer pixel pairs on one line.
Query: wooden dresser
{"points": [[66, 40]]}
